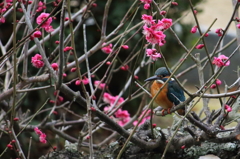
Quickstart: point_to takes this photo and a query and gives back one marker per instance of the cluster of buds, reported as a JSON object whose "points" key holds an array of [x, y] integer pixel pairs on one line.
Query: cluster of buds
{"points": [[56, 2]]}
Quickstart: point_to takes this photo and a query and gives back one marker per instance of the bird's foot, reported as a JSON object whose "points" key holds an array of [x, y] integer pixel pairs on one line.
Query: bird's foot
{"points": [[168, 111]]}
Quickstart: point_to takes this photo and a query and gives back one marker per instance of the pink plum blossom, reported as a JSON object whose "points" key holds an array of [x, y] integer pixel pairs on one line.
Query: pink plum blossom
{"points": [[99, 85], [146, 1], [219, 31], [228, 108], [2, 20], [107, 49], [154, 37], [221, 60], [148, 19], [122, 117], [37, 131], [49, 29], [153, 54], [41, 6], [3, 10], [167, 23], [85, 81], [107, 98], [154, 32], [42, 136], [147, 117], [37, 61], [42, 17]]}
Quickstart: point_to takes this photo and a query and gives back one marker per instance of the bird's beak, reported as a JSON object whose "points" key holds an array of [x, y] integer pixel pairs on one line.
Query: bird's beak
{"points": [[155, 77]]}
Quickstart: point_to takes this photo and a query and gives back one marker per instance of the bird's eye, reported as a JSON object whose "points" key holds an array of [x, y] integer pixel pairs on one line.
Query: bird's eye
{"points": [[161, 76]]}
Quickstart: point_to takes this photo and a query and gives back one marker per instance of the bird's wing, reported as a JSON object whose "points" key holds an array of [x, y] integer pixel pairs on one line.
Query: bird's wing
{"points": [[175, 93]]}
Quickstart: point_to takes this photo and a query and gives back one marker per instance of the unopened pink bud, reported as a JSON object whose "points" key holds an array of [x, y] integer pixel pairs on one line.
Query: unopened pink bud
{"points": [[73, 69], [54, 66], [238, 25], [136, 77], [222, 127], [55, 112], [37, 34], [60, 98], [163, 12], [78, 82], [94, 5], [200, 46], [64, 75], [51, 101], [218, 82], [10, 146], [146, 6], [183, 147], [154, 125], [194, 29], [125, 47], [16, 119], [213, 86], [174, 3]]}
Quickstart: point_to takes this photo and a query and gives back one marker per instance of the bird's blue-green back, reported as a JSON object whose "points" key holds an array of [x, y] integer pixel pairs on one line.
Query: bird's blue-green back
{"points": [[175, 93]]}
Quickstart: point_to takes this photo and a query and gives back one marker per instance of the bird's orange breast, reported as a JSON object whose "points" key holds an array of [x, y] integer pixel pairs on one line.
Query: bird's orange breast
{"points": [[161, 99]]}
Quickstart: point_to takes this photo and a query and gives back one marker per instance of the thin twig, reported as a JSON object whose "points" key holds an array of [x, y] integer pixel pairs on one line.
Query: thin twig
{"points": [[61, 46], [29, 148]]}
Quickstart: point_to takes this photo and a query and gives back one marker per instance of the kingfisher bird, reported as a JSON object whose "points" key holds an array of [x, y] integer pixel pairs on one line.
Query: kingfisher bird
{"points": [[171, 95]]}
